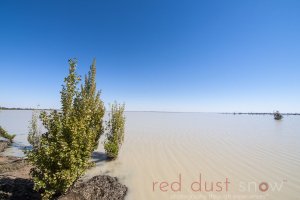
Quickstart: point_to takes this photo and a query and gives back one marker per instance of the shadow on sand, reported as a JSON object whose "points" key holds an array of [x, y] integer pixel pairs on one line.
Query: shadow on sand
{"points": [[99, 157]]}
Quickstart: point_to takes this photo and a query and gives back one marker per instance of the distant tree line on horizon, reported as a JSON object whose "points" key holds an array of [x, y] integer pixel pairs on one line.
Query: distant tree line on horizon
{"points": [[257, 113], [6, 108]]}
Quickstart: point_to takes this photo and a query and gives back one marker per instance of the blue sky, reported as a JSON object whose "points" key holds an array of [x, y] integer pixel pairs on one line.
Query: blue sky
{"points": [[155, 54]]}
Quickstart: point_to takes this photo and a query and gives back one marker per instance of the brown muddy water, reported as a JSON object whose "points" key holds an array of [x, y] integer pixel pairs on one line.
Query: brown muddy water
{"points": [[196, 155]]}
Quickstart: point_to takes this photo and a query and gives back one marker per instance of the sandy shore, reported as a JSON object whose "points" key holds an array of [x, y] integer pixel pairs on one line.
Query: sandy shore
{"points": [[16, 184]]}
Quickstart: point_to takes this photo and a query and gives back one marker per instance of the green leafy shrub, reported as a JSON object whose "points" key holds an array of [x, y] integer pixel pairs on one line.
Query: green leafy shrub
{"points": [[34, 135], [72, 134], [115, 131], [5, 134], [111, 149]]}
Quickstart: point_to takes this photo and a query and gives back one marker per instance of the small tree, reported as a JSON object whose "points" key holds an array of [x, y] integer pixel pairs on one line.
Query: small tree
{"points": [[34, 130], [71, 137], [115, 130]]}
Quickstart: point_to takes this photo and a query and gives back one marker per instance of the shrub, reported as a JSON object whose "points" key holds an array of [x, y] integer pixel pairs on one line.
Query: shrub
{"points": [[111, 149], [115, 131], [71, 135], [34, 131], [5, 134]]}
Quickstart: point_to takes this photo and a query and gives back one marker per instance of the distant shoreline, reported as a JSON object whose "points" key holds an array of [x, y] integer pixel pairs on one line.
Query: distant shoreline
{"points": [[5, 108], [252, 113], [156, 111]]}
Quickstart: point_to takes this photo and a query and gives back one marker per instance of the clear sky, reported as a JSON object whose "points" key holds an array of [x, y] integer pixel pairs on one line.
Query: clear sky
{"points": [[155, 54]]}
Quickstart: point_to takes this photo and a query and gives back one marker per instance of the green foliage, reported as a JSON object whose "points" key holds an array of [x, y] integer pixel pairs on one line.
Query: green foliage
{"points": [[115, 130], [111, 149], [34, 131], [72, 135], [5, 134]]}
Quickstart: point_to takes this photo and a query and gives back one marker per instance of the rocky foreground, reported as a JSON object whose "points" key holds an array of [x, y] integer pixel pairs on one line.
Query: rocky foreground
{"points": [[16, 184], [98, 187]]}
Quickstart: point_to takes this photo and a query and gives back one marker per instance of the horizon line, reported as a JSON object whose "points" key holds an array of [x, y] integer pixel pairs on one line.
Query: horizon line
{"points": [[161, 111]]}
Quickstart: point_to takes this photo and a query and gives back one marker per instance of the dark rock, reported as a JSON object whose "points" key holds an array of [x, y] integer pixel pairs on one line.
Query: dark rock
{"points": [[17, 188], [101, 187]]}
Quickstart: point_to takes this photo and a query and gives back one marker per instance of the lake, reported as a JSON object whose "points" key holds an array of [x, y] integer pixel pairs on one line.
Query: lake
{"points": [[196, 155]]}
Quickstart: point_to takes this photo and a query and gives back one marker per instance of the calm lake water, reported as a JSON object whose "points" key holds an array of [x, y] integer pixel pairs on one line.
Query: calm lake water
{"points": [[164, 154]]}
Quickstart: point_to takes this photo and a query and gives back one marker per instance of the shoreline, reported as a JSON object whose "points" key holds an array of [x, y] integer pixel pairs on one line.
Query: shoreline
{"points": [[159, 111], [16, 183]]}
